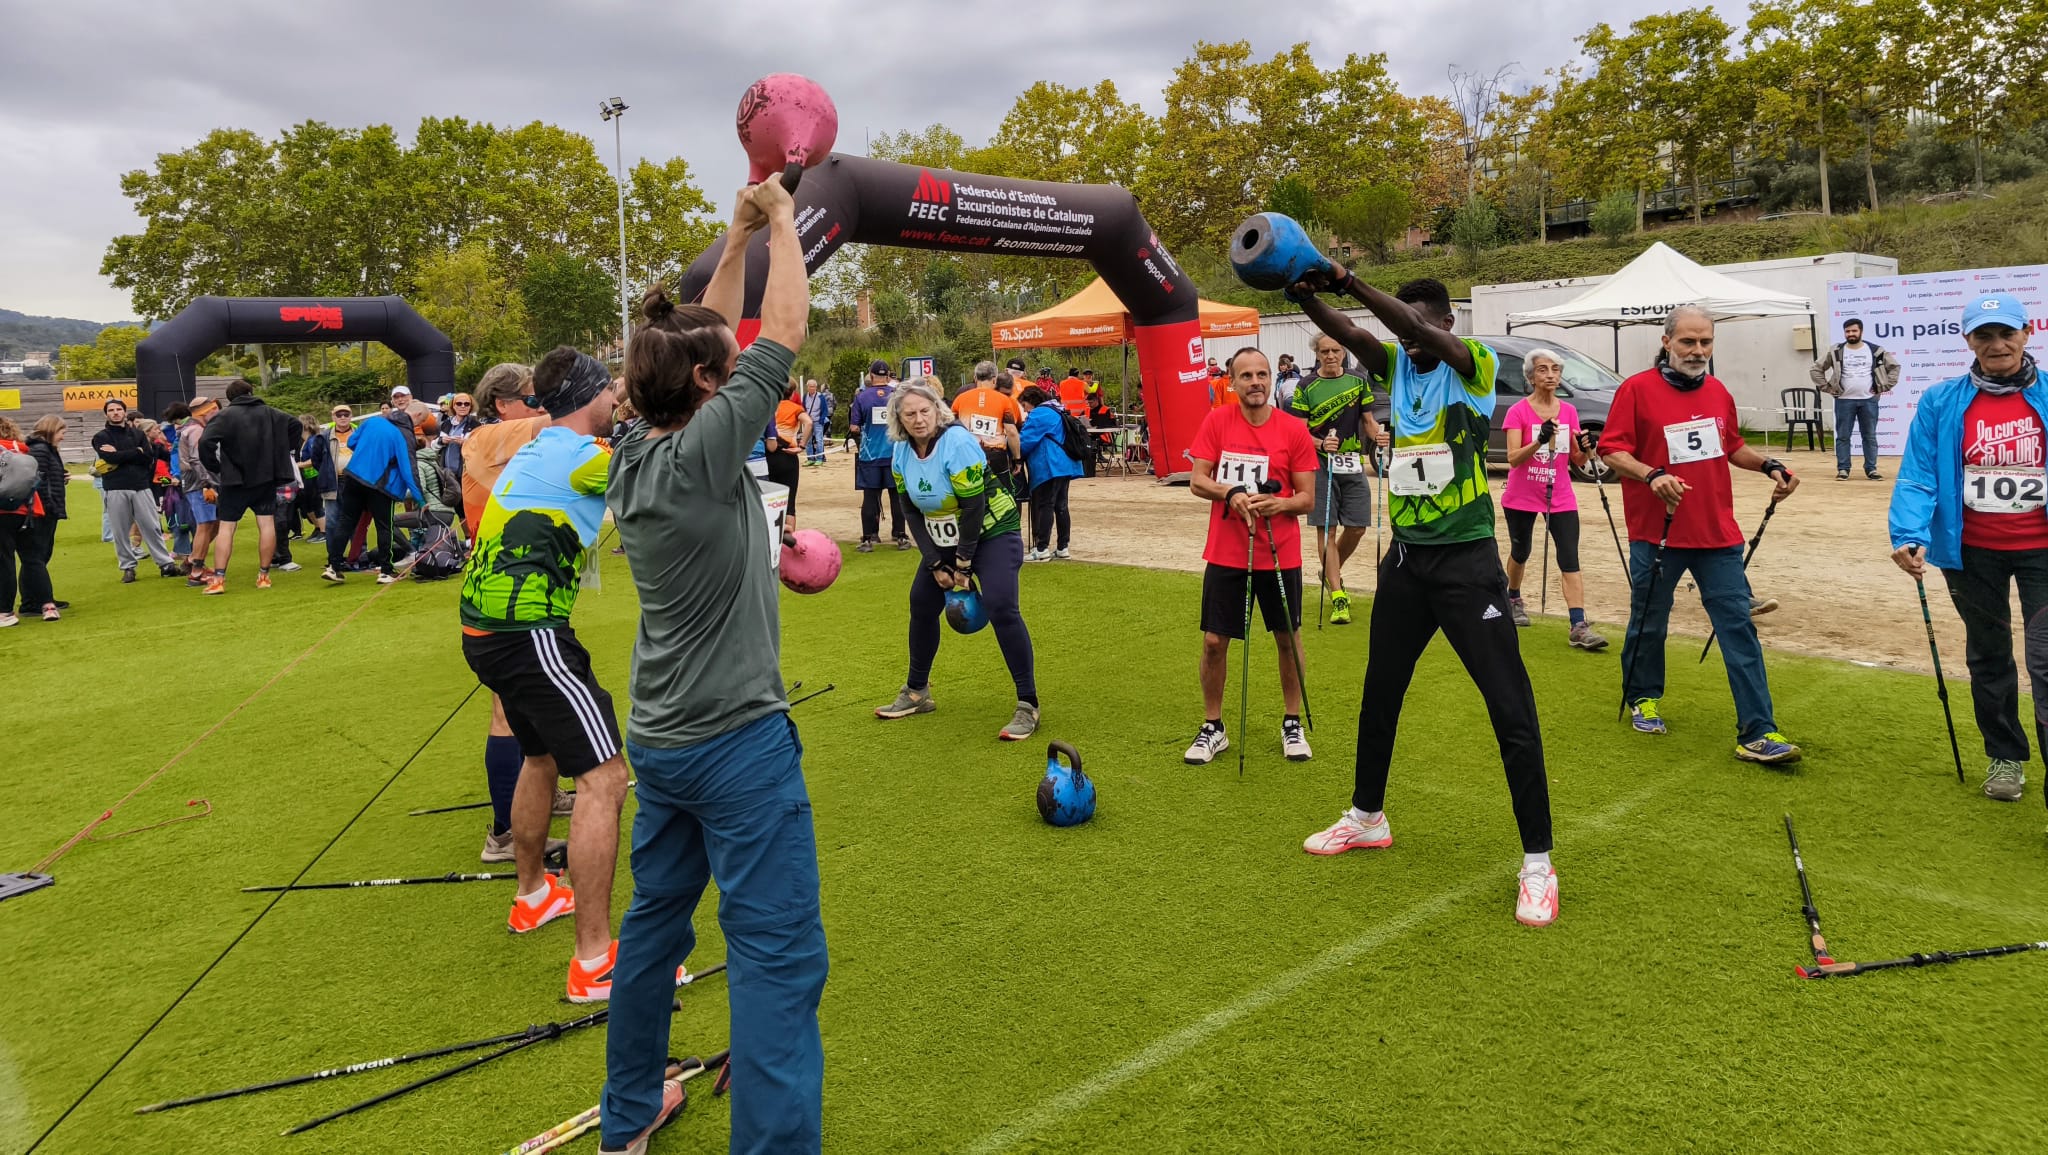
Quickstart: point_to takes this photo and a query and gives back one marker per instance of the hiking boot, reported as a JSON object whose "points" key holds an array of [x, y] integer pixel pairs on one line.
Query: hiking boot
{"points": [[2003, 780], [1536, 896], [555, 901], [1761, 606], [498, 847], [1518, 613], [1644, 717], [1340, 608], [1209, 742], [908, 702], [1293, 743], [565, 803], [1584, 638], [1023, 723], [1773, 749], [1348, 833], [327, 574], [127, 577]]}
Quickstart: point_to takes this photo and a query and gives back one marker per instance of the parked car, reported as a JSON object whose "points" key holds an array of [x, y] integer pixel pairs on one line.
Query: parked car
{"points": [[1588, 385]]}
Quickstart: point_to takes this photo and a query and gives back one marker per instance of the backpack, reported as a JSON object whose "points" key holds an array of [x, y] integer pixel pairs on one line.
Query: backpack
{"points": [[18, 476], [1075, 441], [441, 553]]}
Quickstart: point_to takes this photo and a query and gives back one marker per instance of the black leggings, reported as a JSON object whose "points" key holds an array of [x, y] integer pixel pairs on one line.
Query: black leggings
{"points": [[996, 562], [1458, 589], [357, 502], [1049, 507], [785, 469], [1564, 530], [871, 514]]}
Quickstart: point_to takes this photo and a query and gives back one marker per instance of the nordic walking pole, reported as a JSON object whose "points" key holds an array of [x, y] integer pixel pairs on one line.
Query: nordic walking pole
{"points": [[583, 1122], [829, 687], [1940, 683], [1766, 524], [1287, 614], [451, 876], [1844, 970], [1329, 483], [1549, 490], [1649, 590], [1816, 943], [1599, 468], [1244, 677], [1379, 499]]}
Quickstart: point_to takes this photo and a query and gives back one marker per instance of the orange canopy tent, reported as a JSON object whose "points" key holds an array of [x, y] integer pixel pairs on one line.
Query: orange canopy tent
{"points": [[1095, 317]]}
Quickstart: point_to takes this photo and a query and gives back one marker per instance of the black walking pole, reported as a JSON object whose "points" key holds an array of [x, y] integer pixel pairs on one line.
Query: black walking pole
{"points": [[1294, 636], [1817, 944], [451, 876], [1598, 469], [1549, 489], [1940, 683], [1766, 524], [1328, 478], [1244, 676], [1844, 970], [1649, 591]]}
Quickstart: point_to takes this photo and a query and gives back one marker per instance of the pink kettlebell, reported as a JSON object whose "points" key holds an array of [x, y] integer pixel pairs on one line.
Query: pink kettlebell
{"points": [[786, 122]]}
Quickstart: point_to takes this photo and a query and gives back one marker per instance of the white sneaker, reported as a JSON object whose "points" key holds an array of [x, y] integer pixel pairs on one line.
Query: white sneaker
{"points": [[7, 620], [1293, 742], [1038, 555], [385, 579], [1209, 741], [291, 567], [327, 574], [1063, 553], [1348, 833], [1536, 896]]}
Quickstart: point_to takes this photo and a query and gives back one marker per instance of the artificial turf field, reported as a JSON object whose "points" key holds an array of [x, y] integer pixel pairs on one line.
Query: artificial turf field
{"points": [[1175, 975]]}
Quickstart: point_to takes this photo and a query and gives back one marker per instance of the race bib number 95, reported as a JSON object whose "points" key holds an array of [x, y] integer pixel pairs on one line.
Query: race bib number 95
{"points": [[1246, 469], [1994, 489]]}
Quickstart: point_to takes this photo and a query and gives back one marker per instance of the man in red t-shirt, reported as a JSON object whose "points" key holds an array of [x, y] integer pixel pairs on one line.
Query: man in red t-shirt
{"points": [[1969, 502], [1256, 467], [1672, 436]]}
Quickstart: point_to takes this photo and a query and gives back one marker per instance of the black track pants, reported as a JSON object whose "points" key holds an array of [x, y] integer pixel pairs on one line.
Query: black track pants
{"points": [[1460, 590]]}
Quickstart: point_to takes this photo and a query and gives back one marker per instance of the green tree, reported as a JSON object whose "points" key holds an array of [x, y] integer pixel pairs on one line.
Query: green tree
{"points": [[1372, 215], [1615, 216], [669, 221], [1837, 75], [211, 225], [1291, 196], [1475, 229], [111, 355], [464, 296], [1063, 134], [1525, 153], [1609, 115], [569, 300], [1987, 65]]}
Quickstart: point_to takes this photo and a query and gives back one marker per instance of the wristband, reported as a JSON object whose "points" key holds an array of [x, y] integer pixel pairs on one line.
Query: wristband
{"points": [[1653, 475], [1232, 495], [1772, 464]]}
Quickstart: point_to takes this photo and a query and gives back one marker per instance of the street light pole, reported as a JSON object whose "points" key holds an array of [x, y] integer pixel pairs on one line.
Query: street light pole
{"points": [[614, 110]]}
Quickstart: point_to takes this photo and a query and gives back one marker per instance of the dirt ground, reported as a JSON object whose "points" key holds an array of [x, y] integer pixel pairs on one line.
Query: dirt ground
{"points": [[1825, 557]]}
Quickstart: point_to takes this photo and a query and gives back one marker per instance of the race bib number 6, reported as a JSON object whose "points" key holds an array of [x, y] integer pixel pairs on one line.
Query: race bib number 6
{"points": [[1690, 441], [1246, 469], [1421, 470], [1994, 489], [944, 529]]}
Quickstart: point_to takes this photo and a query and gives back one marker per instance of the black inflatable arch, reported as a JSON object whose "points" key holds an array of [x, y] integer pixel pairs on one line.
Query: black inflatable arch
{"points": [[878, 202], [166, 360]]}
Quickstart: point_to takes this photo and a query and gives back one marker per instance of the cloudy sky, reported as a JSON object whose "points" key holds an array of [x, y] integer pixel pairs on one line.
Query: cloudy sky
{"points": [[94, 88]]}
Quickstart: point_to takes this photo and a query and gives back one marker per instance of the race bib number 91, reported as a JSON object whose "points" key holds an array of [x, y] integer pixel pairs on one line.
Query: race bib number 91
{"points": [[1690, 441], [984, 427], [1421, 470], [1996, 489], [1246, 469]]}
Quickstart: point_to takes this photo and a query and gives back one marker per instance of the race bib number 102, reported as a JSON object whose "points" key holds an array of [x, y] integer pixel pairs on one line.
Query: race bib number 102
{"points": [[1994, 489]]}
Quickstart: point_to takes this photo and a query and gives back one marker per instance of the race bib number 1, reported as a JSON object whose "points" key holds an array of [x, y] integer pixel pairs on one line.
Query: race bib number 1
{"points": [[1995, 489], [1246, 469], [1421, 470], [1693, 441], [1346, 463], [944, 529]]}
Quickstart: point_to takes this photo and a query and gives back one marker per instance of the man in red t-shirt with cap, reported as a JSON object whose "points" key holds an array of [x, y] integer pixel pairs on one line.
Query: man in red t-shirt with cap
{"points": [[1256, 466], [1672, 436]]}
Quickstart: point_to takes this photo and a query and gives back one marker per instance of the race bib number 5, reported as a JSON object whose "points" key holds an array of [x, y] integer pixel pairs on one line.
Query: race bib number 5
{"points": [[1997, 489], [1421, 470], [944, 529], [1690, 441], [1246, 469]]}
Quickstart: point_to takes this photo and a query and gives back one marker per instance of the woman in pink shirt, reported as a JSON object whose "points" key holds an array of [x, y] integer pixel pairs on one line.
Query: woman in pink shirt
{"points": [[1544, 434]]}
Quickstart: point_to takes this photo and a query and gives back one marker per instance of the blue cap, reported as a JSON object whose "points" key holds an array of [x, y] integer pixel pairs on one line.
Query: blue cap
{"points": [[1995, 309]]}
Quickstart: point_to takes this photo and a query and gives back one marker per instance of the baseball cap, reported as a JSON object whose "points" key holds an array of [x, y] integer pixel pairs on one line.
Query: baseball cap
{"points": [[401, 389], [879, 368], [1994, 309], [1016, 363]]}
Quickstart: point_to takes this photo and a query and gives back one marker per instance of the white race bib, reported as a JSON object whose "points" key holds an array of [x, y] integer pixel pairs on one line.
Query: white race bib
{"points": [[1560, 442], [1421, 470], [1690, 441], [773, 504], [2004, 489], [944, 529], [987, 428], [1246, 469], [879, 415], [1346, 463]]}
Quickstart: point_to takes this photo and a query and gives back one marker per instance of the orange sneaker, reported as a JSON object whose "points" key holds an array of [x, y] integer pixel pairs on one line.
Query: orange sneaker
{"points": [[593, 984], [263, 579], [216, 584], [558, 901]]}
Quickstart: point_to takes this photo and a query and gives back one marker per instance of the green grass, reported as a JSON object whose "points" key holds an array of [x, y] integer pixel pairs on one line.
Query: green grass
{"points": [[1175, 975]]}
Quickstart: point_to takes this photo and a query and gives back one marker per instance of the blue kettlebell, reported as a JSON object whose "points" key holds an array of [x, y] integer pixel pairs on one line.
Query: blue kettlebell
{"points": [[964, 611], [1066, 796], [1269, 251]]}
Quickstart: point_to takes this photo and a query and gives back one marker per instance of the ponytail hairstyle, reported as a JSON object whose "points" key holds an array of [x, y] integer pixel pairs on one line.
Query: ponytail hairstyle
{"points": [[668, 351]]}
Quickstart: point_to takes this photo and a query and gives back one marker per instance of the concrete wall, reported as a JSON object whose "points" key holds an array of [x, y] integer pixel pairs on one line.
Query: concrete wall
{"points": [[43, 397], [1756, 359]]}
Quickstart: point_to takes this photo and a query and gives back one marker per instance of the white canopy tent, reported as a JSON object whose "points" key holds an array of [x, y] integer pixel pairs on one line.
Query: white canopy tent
{"points": [[1652, 285]]}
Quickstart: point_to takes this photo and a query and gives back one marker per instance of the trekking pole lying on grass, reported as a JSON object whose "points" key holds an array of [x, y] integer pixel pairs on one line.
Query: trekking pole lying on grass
{"points": [[451, 876], [1844, 970], [829, 687], [1818, 944], [583, 1122]]}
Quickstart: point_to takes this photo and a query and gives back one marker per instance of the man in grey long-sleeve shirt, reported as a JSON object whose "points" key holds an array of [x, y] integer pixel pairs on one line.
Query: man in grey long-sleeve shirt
{"points": [[719, 764]]}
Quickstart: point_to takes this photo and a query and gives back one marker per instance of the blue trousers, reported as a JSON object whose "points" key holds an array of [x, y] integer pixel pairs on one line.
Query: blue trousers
{"points": [[815, 451], [1849, 413], [1724, 591], [734, 808]]}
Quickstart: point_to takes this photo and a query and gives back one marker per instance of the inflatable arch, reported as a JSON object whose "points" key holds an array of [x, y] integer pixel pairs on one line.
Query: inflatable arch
{"points": [[166, 360], [877, 202]]}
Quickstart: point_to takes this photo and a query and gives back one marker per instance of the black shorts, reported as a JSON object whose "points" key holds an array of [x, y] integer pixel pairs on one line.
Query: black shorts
{"points": [[552, 702], [1564, 530], [260, 500], [1223, 601]]}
